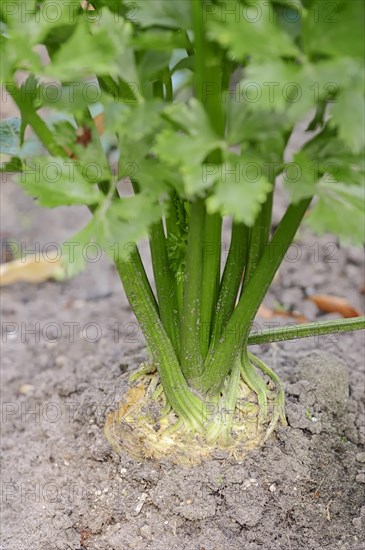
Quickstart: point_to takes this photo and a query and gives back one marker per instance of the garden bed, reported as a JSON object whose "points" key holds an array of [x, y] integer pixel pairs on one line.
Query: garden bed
{"points": [[65, 488]]}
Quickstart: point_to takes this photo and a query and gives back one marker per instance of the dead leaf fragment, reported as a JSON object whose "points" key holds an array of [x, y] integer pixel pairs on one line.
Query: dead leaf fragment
{"points": [[85, 4], [334, 304], [99, 123], [266, 313], [31, 270]]}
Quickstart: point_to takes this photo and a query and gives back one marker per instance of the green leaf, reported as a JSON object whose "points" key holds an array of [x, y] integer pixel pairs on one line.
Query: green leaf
{"points": [[348, 115], [55, 181], [119, 34], [252, 31], [264, 133], [331, 156], [286, 87], [10, 164], [301, 177], [153, 63], [273, 86], [84, 54], [241, 189], [187, 151], [157, 178], [184, 63], [160, 40], [340, 210], [162, 13], [335, 28], [289, 16], [113, 228], [30, 102], [34, 23]]}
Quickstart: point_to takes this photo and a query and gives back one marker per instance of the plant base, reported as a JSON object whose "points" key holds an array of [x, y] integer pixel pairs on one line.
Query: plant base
{"points": [[145, 426]]}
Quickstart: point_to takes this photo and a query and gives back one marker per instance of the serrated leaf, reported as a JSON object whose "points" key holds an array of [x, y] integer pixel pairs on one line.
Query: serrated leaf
{"points": [[340, 210], [36, 23], [113, 230], [286, 87], [84, 54], [252, 31], [241, 189], [348, 115], [157, 178], [331, 156], [265, 133], [273, 86], [335, 28], [187, 151], [55, 182]]}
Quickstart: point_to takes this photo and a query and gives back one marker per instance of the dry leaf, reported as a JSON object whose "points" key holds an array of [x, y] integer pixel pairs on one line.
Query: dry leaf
{"points": [[85, 4], [267, 313], [84, 134], [99, 123], [334, 304], [32, 270]]}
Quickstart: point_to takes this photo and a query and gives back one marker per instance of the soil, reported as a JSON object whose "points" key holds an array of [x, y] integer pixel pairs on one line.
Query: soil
{"points": [[63, 487]]}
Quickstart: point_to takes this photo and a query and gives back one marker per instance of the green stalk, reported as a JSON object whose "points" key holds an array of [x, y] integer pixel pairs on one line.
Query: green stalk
{"points": [[199, 47], [259, 237], [164, 284], [220, 358], [31, 117], [175, 220], [187, 405], [231, 279], [161, 269], [208, 89], [136, 257], [211, 277], [191, 359], [221, 424], [306, 330]]}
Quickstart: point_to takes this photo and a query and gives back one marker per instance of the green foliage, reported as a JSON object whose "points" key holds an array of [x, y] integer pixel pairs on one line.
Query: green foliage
{"points": [[286, 74], [55, 182]]}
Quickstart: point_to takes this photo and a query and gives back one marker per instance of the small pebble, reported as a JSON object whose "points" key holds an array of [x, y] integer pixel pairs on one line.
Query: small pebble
{"points": [[60, 361], [189, 501], [360, 457], [357, 523], [78, 304], [145, 531], [360, 478], [26, 388], [272, 488]]}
